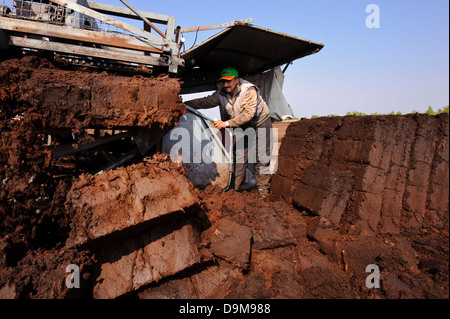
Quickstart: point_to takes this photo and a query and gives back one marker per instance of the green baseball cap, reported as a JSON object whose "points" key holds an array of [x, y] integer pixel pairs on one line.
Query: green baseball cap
{"points": [[228, 73]]}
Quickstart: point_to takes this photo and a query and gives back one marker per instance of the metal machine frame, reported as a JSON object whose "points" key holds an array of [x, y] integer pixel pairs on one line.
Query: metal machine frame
{"points": [[86, 32], [28, 24]]}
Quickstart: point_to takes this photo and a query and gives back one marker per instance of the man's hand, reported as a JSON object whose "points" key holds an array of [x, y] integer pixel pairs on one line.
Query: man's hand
{"points": [[220, 125]]}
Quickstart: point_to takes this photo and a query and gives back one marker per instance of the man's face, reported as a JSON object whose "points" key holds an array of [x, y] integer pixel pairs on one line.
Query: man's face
{"points": [[230, 86]]}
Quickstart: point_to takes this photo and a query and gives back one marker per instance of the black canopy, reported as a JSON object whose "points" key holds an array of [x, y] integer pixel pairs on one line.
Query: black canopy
{"points": [[248, 48]]}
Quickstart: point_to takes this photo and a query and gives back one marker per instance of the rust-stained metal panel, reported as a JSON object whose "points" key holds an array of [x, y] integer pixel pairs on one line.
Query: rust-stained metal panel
{"points": [[248, 48], [51, 30]]}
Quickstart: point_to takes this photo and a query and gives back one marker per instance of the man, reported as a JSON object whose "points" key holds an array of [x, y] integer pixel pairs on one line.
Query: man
{"points": [[241, 106]]}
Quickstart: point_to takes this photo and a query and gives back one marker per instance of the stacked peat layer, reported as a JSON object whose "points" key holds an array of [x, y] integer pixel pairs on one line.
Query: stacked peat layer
{"points": [[34, 88], [38, 98], [368, 175], [138, 221], [347, 195], [374, 190]]}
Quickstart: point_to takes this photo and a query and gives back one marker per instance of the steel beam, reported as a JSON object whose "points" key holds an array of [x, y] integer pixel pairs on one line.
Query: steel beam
{"points": [[104, 18], [50, 30], [69, 149], [216, 26], [143, 18], [127, 13], [84, 51]]}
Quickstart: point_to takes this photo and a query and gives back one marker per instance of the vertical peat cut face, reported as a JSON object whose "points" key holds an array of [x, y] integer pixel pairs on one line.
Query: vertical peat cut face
{"points": [[84, 98], [368, 175]]}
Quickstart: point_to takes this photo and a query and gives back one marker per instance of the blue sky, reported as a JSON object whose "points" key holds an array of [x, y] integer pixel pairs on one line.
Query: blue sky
{"points": [[401, 66]]}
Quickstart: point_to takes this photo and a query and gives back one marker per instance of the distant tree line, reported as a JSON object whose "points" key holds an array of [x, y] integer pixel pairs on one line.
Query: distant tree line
{"points": [[429, 111]]}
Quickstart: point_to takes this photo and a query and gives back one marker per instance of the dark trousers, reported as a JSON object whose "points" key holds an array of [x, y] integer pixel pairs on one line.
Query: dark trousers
{"points": [[254, 145]]}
